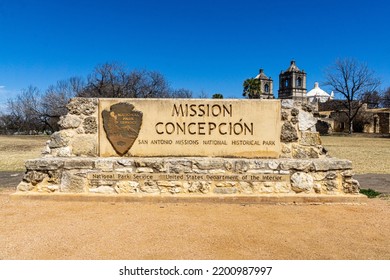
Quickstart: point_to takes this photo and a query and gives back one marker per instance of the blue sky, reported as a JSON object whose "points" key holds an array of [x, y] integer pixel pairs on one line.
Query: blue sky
{"points": [[209, 46]]}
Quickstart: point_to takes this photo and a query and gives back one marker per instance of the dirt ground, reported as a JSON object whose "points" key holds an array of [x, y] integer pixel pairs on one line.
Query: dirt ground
{"points": [[103, 230], [33, 229]]}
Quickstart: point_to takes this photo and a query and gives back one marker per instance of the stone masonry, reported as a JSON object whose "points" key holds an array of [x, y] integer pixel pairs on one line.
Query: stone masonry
{"points": [[71, 156]]}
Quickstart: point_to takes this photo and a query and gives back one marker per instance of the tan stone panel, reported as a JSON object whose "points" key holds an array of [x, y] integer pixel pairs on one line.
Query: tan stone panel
{"points": [[189, 127]]}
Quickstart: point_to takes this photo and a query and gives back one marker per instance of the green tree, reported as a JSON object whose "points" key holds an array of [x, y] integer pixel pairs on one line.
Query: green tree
{"points": [[251, 88], [217, 96]]}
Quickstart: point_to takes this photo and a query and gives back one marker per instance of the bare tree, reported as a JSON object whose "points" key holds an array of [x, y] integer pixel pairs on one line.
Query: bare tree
{"points": [[113, 80], [53, 102], [353, 80], [385, 102], [181, 93], [33, 112], [24, 111]]}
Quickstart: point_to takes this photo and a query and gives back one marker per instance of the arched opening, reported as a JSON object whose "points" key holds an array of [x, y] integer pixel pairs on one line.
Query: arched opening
{"points": [[266, 88], [299, 82]]}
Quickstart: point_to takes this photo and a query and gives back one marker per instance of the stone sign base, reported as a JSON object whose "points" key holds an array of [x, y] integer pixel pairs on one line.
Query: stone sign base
{"points": [[175, 179]]}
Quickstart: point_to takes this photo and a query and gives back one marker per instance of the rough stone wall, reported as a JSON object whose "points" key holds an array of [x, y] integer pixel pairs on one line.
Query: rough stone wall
{"points": [[299, 137], [71, 156], [79, 130], [308, 176]]}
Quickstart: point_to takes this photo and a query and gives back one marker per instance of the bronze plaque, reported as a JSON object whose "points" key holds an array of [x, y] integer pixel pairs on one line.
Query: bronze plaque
{"points": [[122, 125]]}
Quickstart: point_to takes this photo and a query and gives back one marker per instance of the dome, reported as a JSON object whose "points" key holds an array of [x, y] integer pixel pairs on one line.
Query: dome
{"points": [[318, 94]]}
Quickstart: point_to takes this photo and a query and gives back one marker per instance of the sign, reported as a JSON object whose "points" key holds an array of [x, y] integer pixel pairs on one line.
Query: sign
{"points": [[189, 127], [112, 176]]}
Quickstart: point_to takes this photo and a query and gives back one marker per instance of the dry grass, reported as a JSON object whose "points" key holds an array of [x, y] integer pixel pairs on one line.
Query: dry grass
{"points": [[368, 155], [14, 150]]}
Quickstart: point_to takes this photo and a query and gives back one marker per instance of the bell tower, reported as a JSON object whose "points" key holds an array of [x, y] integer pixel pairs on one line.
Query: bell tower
{"points": [[292, 83]]}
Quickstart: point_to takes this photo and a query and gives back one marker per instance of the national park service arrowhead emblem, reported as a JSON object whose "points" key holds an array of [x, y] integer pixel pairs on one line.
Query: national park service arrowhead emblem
{"points": [[122, 125]]}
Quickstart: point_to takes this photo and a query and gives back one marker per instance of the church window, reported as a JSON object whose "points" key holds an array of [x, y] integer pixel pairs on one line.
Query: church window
{"points": [[266, 88], [299, 82]]}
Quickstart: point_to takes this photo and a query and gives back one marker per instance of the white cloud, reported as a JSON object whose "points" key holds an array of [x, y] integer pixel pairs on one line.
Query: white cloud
{"points": [[2, 87]]}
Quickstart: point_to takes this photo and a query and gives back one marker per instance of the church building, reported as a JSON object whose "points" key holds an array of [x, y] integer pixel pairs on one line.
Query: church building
{"points": [[292, 83]]}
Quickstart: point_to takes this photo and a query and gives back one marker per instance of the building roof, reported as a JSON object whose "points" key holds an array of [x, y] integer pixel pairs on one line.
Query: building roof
{"points": [[319, 94], [262, 76], [293, 67]]}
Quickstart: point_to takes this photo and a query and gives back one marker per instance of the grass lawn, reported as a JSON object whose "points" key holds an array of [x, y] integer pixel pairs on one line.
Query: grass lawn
{"points": [[14, 150], [368, 154]]}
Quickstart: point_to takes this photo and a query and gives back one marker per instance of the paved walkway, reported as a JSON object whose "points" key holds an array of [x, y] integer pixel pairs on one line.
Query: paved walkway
{"points": [[378, 182]]}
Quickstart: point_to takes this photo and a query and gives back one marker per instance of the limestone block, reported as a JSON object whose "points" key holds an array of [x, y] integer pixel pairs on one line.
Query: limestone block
{"points": [[225, 184], [225, 190], [54, 176], [273, 164], [157, 164], [287, 103], [302, 182], [85, 106], [347, 173], [266, 187], [331, 164], [34, 177], [180, 166], [72, 183], [64, 152], [294, 112], [104, 164], [241, 166], [84, 145], [174, 190], [245, 187], [300, 165], [351, 186], [53, 188], [317, 188], [331, 185], [294, 120], [199, 186], [228, 165], [166, 184], [103, 190], [150, 187], [69, 121], [126, 162], [302, 152], [282, 187], [127, 187], [217, 171], [289, 133], [46, 150], [90, 125], [307, 108], [24, 187], [284, 115], [257, 171], [60, 139], [78, 163], [306, 121], [44, 164], [310, 138], [144, 170], [209, 163]]}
